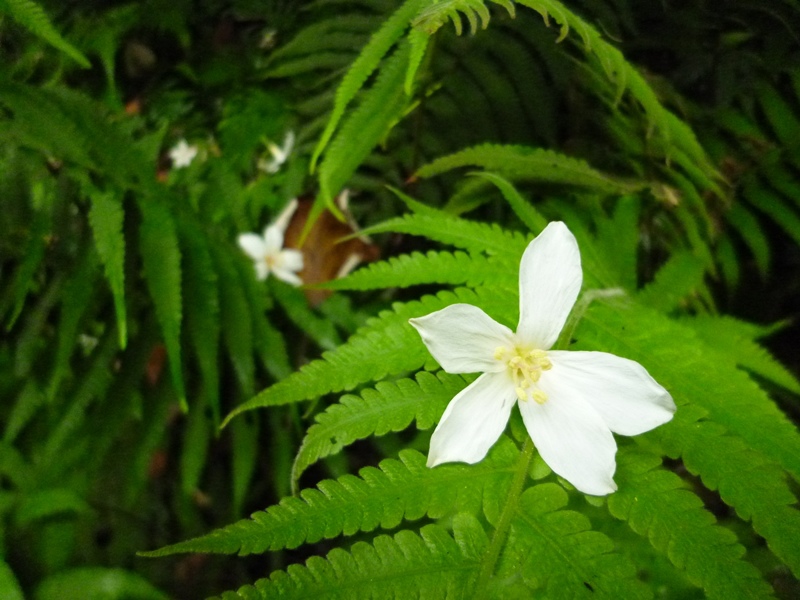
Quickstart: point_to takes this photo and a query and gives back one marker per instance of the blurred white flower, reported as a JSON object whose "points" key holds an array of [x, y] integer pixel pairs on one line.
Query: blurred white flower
{"points": [[268, 252], [279, 154], [570, 402], [182, 154]]}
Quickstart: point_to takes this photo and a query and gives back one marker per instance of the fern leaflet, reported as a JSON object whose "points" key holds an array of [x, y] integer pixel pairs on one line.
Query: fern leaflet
{"points": [[534, 164], [378, 497]]}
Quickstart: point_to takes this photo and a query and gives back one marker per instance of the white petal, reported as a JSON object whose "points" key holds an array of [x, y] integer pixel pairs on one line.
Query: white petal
{"points": [[572, 439], [253, 245], [463, 339], [282, 220], [273, 239], [550, 279], [290, 259], [473, 420], [262, 270], [621, 391], [287, 276]]}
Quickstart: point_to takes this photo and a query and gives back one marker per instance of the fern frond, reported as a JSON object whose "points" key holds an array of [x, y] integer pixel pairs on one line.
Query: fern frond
{"points": [[655, 504], [674, 355], [746, 224], [750, 482], [521, 207], [558, 555], [676, 280], [735, 339], [380, 108], [106, 219], [378, 497], [436, 15], [161, 258], [471, 236], [433, 267], [366, 63], [429, 565], [391, 406], [387, 345], [530, 164], [32, 16]]}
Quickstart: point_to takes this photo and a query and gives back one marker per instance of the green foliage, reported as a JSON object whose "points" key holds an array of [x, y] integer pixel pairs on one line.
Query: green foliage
{"points": [[137, 341]]}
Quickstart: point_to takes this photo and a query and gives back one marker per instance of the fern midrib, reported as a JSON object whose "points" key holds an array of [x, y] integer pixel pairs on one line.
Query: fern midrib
{"points": [[500, 535]]}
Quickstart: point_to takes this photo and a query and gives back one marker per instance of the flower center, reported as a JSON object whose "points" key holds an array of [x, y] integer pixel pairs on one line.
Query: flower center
{"points": [[525, 367]]}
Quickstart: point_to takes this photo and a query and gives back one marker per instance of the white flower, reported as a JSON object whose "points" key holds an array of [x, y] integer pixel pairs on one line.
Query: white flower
{"points": [[182, 154], [570, 402], [279, 154], [268, 252]]}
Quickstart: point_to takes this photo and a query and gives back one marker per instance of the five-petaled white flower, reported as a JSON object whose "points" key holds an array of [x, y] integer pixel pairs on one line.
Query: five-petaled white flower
{"points": [[570, 402], [182, 154], [279, 154], [268, 252]]}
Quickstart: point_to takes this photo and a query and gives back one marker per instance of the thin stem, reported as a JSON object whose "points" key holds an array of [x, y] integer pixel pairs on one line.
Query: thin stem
{"points": [[501, 531], [579, 310]]}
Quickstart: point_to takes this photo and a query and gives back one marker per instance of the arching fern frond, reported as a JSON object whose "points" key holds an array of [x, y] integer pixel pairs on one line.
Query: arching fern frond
{"points": [[32, 16], [433, 267], [366, 63], [432, 18], [391, 406], [429, 565], [378, 497], [656, 505], [530, 164]]}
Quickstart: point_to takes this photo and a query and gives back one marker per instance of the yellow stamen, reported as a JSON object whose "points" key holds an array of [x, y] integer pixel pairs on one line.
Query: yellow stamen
{"points": [[525, 367]]}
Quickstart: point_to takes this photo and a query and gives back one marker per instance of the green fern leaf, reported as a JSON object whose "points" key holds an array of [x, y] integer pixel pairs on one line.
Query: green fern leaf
{"points": [[386, 345], [436, 15], [32, 16], [521, 207], [161, 258], [380, 108], [677, 359], [391, 406], [533, 164], [25, 273], [419, 44], [679, 278], [774, 206], [75, 302], [471, 236], [746, 479], [366, 63], [417, 268], [655, 504], [734, 338], [747, 225], [559, 556], [429, 565], [201, 284], [106, 219], [379, 497], [237, 328]]}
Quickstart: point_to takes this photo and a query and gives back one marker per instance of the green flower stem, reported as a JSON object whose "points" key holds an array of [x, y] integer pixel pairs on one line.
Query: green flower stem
{"points": [[501, 531], [579, 310]]}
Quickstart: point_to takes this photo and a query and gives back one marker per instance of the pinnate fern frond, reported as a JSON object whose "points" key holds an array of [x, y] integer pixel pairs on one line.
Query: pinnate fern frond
{"points": [[558, 555], [471, 236], [416, 268], [429, 565], [32, 16], [531, 164], [655, 504], [475, 11], [387, 345], [106, 217], [391, 406], [380, 109], [378, 497], [674, 355], [161, 258], [735, 339], [367, 62], [677, 279]]}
